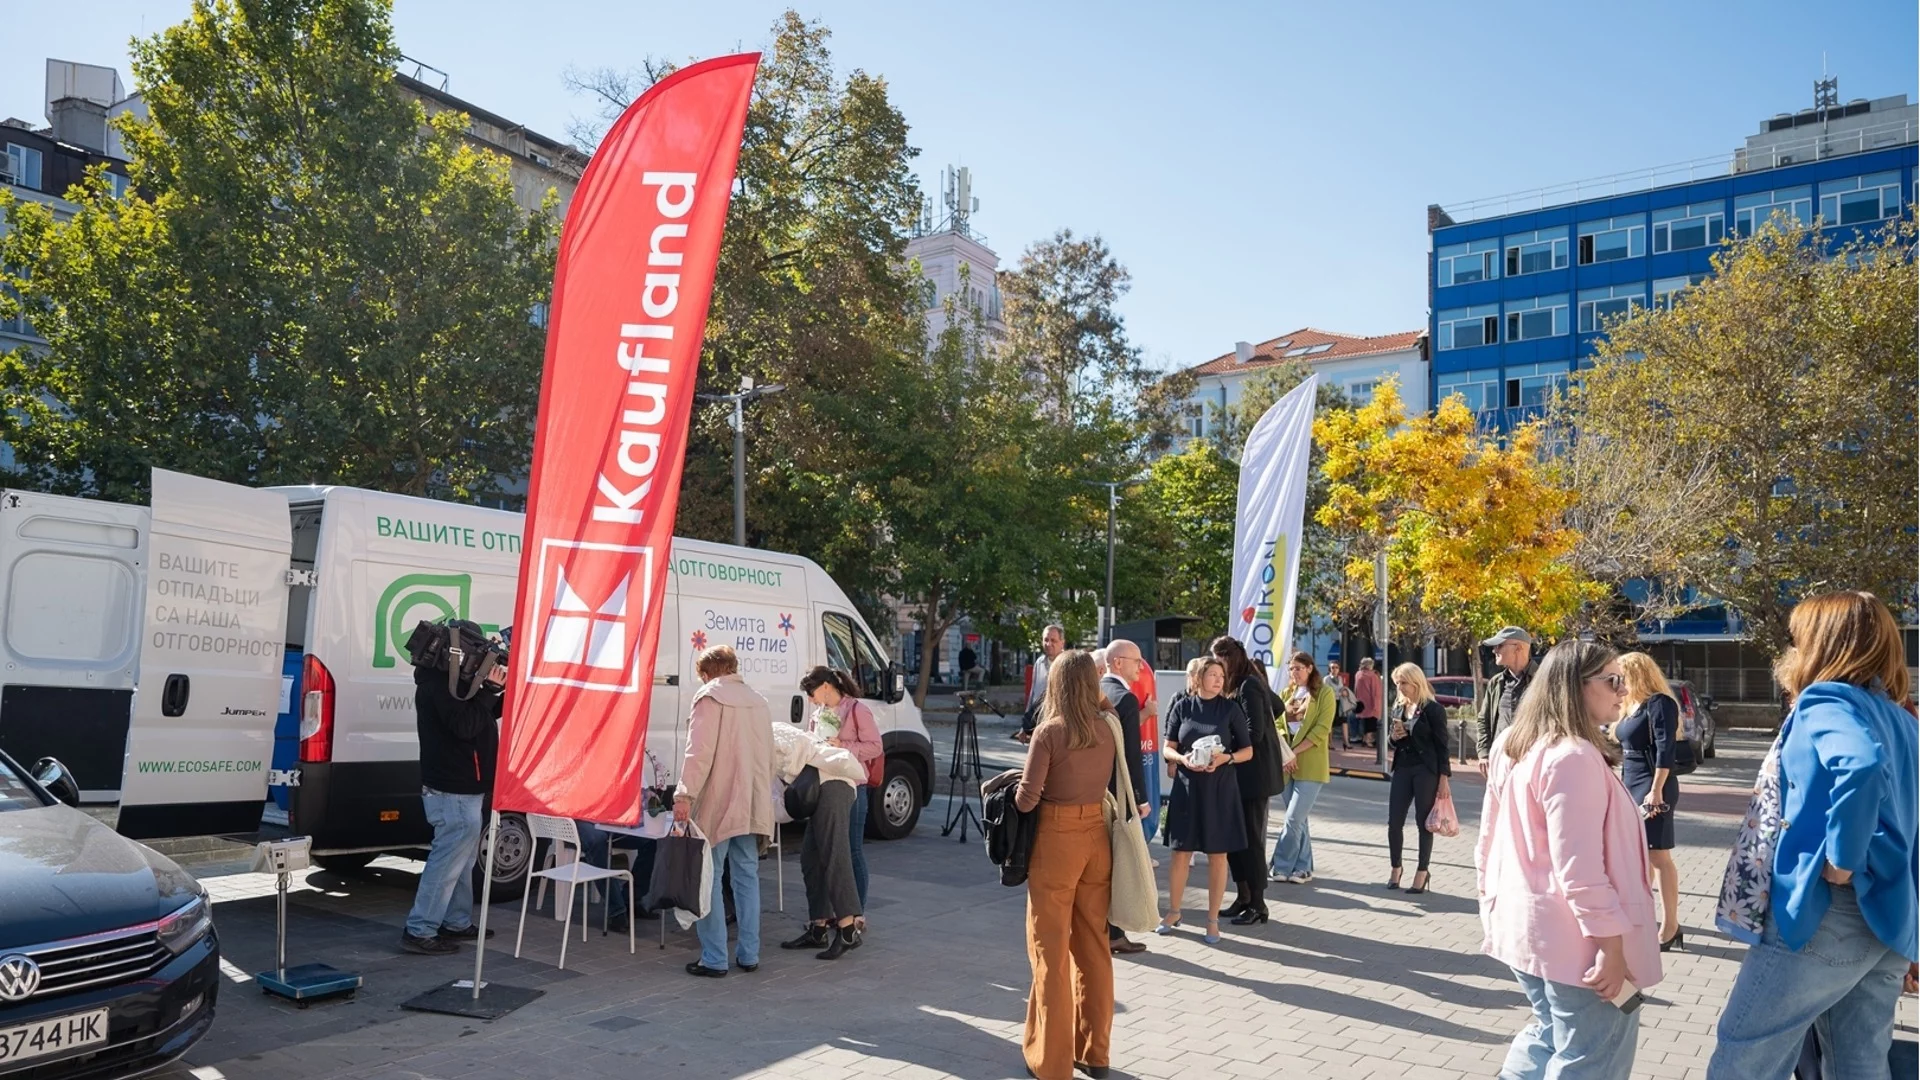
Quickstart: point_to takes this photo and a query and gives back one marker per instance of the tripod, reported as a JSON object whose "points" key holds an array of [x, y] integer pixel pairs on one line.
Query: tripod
{"points": [[966, 762]]}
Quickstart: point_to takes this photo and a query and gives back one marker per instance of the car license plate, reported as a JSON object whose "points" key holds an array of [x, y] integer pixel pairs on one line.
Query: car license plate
{"points": [[53, 1036]]}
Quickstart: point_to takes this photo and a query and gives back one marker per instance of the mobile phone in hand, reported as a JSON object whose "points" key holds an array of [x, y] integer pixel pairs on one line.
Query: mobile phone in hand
{"points": [[1630, 997]]}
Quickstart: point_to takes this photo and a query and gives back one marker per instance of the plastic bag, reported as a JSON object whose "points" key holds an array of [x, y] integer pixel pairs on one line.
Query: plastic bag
{"points": [[1443, 821], [682, 873]]}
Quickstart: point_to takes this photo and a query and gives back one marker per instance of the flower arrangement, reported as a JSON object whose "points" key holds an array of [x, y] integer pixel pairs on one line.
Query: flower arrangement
{"points": [[826, 723]]}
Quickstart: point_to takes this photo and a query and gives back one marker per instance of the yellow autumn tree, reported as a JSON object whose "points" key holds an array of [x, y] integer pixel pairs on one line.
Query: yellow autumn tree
{"points": [[1475, 529]]}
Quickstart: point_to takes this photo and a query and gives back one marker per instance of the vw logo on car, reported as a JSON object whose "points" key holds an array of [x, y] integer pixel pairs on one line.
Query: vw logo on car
{"points": [[19, 978]]}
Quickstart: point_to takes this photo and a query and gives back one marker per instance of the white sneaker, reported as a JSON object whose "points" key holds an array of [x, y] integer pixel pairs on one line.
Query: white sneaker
{"points": [[1301, 879]]}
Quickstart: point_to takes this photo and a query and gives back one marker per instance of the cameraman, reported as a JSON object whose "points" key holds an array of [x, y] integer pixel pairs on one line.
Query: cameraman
{"points": [[459, 743]]}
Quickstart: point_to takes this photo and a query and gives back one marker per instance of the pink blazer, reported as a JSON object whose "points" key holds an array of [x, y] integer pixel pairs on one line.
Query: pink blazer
{"points": [[1562, 860]]}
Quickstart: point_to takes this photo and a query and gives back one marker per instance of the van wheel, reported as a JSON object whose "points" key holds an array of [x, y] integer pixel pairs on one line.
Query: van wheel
{"points": [[895, 806], [512, 848], [348, 863]]}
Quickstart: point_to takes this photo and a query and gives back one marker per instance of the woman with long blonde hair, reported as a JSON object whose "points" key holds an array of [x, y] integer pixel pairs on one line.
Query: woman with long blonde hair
{"points": [[1422, 768], [1648, 731], [1562, 862], [1070, 765], [1830, 921]]}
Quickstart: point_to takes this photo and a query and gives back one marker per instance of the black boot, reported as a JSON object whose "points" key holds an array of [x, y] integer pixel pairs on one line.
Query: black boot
{"points": [[1256, 910], [813, 937], [1239, 906], [844, 939]]}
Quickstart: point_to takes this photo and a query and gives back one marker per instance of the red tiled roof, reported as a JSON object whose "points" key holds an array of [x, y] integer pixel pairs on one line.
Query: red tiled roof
{"points": [[1345, 346]]}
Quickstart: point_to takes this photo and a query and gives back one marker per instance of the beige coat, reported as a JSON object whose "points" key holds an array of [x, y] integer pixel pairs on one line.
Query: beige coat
{"points": [[728, 772]]}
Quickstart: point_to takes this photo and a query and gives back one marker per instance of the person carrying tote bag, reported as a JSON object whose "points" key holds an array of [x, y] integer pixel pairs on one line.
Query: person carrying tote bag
{"points": [[1070, 767], [1134, 902]]}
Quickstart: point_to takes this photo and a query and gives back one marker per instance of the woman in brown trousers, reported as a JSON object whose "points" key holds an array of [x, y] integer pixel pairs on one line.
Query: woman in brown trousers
{"points": [[1070, 765]]}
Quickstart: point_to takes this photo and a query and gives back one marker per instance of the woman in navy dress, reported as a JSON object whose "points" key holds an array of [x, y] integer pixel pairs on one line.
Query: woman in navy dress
{"points": [[1205, 814], [1649, 726]]}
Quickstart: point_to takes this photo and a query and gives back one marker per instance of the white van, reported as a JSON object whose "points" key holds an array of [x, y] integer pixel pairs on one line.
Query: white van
{"points": [[288, 608]]}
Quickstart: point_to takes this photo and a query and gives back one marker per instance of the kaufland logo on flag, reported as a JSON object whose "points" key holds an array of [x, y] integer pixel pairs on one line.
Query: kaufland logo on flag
{"points": [[591, 633]]}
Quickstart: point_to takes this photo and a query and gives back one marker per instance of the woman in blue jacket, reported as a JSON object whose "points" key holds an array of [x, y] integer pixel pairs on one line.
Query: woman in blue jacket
{"points": [[1836, 928]]}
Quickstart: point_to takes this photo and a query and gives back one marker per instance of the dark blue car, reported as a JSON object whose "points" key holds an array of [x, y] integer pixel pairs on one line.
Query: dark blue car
{"points": [[109, 966]]}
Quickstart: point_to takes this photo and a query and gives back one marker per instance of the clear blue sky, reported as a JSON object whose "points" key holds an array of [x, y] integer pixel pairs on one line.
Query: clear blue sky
{"points": [[1258, 167]]}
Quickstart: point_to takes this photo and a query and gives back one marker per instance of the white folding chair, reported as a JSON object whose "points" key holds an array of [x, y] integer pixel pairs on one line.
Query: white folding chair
{"points": [[561, 832]]}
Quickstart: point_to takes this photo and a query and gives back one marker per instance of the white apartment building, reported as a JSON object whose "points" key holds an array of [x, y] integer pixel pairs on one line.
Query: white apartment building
{"points": [[1353, 363]]}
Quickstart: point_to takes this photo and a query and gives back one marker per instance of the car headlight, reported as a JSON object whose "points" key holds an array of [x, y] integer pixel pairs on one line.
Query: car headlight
{"points": [[185, 926]]}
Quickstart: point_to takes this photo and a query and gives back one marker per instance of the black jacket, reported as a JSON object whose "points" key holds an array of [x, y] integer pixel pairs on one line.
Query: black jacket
{"points": [[1425, 747], [1265, 775], [1491, 722], [459, 740], [1127, 707], [1009, 830]]}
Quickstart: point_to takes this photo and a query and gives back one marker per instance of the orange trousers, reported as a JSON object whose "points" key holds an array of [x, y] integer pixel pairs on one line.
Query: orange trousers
{"points": [[1069, 881]]}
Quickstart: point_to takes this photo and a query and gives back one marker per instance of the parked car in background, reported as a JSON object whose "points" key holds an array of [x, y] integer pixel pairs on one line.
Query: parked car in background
{"points": [[1696, 715], [1452, 690], [108, 961]]}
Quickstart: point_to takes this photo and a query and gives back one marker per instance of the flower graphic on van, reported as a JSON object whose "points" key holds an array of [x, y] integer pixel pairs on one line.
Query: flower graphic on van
{"points": [[699, 640], [411, 598], [786, 624]]}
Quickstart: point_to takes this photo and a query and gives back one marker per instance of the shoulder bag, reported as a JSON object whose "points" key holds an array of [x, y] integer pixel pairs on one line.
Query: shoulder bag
{"points": [[1134, 903], [1746, 889]]}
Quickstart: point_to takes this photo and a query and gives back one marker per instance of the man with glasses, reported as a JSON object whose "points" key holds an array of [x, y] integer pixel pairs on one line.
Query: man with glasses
{"points": [[1513, 656], [1122, 663]]}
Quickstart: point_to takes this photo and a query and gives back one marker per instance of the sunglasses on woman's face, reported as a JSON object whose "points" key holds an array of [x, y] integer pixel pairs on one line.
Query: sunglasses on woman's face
{"points": [[1616, 683]]}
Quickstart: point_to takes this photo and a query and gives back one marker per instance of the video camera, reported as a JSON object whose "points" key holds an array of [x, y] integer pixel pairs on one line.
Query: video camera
{"points": [[470, 656]]}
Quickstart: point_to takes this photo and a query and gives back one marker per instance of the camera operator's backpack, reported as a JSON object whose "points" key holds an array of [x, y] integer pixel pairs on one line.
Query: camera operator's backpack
{"points": [[458, 647]]}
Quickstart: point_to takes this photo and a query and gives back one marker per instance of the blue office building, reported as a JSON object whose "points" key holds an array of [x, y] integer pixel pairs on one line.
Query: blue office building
{"points": [[1520, 287]]}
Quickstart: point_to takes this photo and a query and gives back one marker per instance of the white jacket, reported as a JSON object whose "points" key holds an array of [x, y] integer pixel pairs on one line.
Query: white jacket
{"points": [[794, 750]]}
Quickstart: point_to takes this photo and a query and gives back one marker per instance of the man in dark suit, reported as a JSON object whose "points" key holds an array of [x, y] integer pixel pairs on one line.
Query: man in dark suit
{"points": [[1121, 663]]}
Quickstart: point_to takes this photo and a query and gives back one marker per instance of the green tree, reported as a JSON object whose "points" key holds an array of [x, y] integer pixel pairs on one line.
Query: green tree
{"points": [[1791, 375], [306, 282], [1176, 538], [962, 507]]}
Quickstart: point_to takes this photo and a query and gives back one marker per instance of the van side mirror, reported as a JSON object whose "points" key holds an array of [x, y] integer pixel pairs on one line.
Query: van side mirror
{"points": [[896, 685], [49, 773]]}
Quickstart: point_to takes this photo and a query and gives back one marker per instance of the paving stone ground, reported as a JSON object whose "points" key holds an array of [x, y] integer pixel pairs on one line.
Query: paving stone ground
{"points": [[1348, 981]]}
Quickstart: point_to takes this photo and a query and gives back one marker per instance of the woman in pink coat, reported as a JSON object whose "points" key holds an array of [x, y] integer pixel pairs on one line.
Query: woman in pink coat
{"points": [[1562, 865]]}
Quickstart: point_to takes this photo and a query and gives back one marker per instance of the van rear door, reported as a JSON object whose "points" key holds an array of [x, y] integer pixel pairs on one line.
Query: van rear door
{"points": [[210, 660]]}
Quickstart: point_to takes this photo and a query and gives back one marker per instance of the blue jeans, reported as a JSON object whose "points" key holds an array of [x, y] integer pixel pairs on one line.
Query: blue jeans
{"points": [[1575, 1034], [1846, 979], [856, 839], [596, 847], [445, 896], [1293, 852], [742, 855]]}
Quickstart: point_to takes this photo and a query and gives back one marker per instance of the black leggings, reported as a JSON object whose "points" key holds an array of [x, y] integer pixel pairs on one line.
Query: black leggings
{"points": [[1416, 787], [1249, 864]]}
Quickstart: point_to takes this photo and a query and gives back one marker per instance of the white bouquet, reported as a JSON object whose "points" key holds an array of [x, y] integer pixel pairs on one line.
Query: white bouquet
{"points": [[826, 723], [1201, 753]]}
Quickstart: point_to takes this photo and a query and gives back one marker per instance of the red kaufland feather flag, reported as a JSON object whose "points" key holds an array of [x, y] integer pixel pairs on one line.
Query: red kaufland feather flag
{"points": [[630, 295]]}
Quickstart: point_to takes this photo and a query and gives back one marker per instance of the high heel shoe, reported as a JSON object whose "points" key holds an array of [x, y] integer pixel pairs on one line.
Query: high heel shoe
{"points": [[1235, 909], [1677, 941], [1424, 879], [1212, 936], [1166, 928], [1394, 881], [1251, 915]]}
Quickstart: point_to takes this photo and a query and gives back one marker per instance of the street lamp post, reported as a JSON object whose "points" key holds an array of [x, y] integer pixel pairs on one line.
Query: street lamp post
{"points": [[748, 391], [1113, 501]]}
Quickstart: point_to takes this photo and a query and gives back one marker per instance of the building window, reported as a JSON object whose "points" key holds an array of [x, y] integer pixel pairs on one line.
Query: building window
{"points": [[1601, 306], [1464, 328], [1480, 389], [1542, 316], [1666, 290], [1534, 385], [1683, 228], [23, 166], [1614, 238], [1462, 264], [118, 182], [1360, 393], [1196, 419], [1531, 253], [1860, 198], [1752, 211]]}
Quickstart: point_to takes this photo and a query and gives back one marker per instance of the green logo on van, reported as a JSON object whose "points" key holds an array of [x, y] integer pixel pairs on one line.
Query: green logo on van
{"points": [[409, 599]]}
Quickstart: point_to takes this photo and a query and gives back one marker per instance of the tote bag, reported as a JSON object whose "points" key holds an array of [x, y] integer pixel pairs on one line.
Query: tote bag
{"points": [[1134, 903]]}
